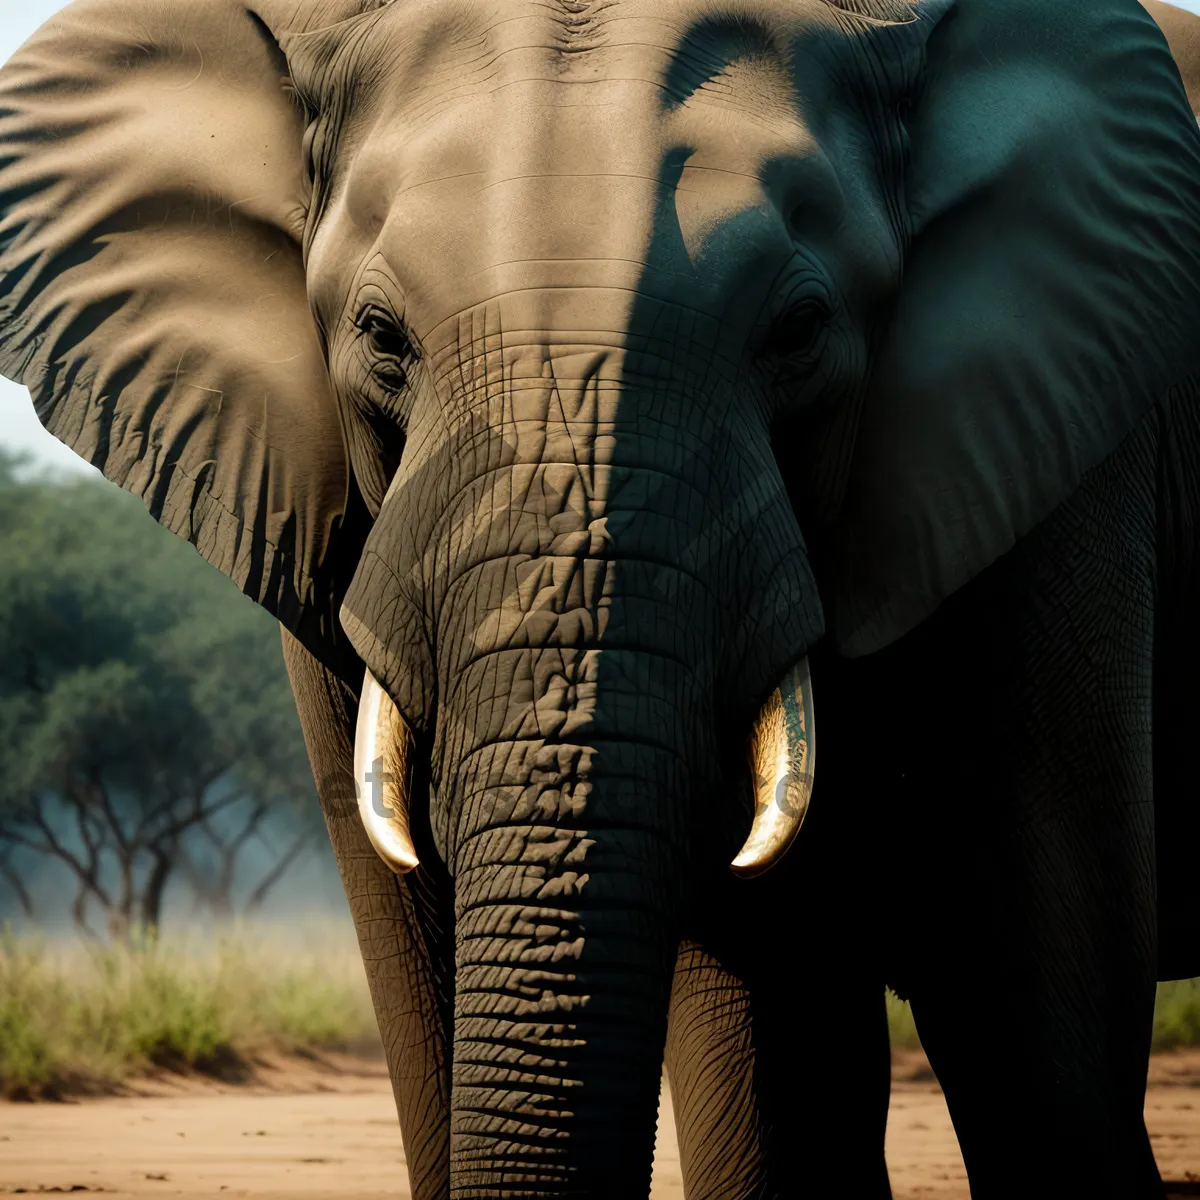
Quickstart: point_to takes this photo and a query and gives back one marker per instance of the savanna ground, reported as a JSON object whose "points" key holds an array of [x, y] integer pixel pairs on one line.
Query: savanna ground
{"points": [[249, 1067]]}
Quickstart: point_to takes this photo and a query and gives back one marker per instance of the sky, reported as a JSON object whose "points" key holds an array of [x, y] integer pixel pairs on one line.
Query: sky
{"points": [[19, 428]]}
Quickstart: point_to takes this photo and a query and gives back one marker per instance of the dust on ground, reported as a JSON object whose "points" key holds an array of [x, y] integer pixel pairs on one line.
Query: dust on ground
{"points": [[311, 1128]]}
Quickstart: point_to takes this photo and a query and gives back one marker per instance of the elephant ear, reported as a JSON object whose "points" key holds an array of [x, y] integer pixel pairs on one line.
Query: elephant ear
{"points": [[152, 290], [1182, 31], [1051, 296]]}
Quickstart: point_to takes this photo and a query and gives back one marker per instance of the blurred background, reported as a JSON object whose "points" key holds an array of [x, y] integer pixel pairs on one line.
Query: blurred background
{"points": [[152, 770]]}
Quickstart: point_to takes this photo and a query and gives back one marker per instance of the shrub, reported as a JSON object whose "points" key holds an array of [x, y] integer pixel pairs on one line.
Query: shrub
{"points": [[81, 1018]]}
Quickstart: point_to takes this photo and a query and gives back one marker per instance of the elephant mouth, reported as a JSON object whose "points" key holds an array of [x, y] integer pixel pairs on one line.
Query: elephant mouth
{"points": [[781, 752]]}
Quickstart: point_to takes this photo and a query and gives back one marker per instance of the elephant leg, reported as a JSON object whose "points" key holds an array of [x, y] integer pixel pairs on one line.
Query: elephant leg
{"points": [[816, 969], [397, 923], [1025, 834], [777, 1045], [710, 1062], [1176, 698], [1176, 813], [775, 1096]]}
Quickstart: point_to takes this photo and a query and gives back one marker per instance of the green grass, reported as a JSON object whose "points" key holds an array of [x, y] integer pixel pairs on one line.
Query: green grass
{"points": [[84, 1018], [902, 1029], [1176, 1017]]}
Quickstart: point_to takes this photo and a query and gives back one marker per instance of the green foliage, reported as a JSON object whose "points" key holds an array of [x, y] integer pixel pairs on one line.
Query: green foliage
{"points": [[1176, 1017], [1177, 1014], [85, 1018], [140, 694], [902, 1029], [114, 629]]}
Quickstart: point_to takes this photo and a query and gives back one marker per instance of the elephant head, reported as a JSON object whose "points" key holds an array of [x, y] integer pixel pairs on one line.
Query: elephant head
{"points": [[506, 350]]}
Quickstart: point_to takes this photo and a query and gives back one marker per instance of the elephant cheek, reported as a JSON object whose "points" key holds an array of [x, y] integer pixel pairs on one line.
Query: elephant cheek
{"points": [[388, 631], [776, 623]]}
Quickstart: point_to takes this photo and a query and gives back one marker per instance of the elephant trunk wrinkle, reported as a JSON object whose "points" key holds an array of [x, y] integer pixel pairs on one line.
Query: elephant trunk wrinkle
{"points": [[562, 980], [565, 862]]}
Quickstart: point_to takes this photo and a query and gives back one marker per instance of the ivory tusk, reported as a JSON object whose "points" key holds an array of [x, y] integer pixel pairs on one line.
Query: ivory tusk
{"points": [[383, 746], [782, 755]]}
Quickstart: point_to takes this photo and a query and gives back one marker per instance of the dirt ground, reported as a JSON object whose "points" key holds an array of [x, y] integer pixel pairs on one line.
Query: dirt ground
{"points": [[328, 1129]]}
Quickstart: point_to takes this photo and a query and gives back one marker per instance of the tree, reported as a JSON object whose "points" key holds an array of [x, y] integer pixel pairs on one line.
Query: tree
{"points": [[144, 709]]}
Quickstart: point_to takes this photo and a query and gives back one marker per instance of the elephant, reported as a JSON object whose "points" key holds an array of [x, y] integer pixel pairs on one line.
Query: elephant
{"points": [[587, 386]]}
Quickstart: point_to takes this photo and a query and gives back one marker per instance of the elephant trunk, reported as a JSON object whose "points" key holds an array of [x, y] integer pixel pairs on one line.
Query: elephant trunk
{"points": [[566, 836], [565, 949]]}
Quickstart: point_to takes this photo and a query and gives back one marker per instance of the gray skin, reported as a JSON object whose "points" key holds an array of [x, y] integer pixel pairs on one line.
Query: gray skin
{"points": [[577, 370]]}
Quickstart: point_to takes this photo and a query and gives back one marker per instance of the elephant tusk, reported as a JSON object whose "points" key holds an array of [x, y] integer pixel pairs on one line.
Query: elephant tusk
{"points": [[782, 755], [383, 746]]}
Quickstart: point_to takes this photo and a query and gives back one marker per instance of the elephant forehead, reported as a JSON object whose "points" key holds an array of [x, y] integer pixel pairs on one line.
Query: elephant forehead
{"points": [[439, 93], [642, 147], [573, 39], [565, 216]]}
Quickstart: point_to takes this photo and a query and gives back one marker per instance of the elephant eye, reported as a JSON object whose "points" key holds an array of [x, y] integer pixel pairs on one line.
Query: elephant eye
{"points": [[388, 347], [797, 331], [384, 336]]}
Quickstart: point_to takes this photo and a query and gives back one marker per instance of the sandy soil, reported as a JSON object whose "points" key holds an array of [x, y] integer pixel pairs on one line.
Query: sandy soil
{"points": [[328, 1129]]}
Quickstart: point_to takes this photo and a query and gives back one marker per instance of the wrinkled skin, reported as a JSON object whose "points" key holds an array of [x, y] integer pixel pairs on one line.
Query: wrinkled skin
{"points": [[762, 1107], [578, 370]]}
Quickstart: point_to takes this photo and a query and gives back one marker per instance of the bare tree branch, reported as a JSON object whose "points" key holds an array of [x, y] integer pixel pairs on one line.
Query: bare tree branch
{"points": [[282, 865], [16, 883], [86, 873]]}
